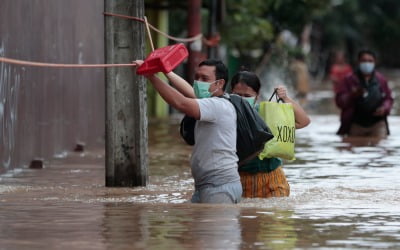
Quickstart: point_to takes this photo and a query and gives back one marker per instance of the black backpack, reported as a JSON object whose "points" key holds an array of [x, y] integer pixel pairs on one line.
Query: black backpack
{"points": [[252, 131], [373, 98], [187, 129]]}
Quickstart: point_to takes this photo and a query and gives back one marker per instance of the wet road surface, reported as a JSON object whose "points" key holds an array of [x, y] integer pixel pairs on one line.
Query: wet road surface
{"points": [[344, 194]]}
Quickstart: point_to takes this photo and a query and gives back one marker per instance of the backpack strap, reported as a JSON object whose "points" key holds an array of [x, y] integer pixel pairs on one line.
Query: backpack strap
{"points": [[226, 96]]}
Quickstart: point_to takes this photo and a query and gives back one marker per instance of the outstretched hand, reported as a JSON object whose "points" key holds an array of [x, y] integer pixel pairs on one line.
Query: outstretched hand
{"points": [[379, 111], [281, 92], [356, 91], [138, 63]]}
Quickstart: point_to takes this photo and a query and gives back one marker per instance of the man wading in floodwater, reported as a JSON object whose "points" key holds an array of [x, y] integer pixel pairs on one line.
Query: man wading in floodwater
{"points": [[214, 160]]}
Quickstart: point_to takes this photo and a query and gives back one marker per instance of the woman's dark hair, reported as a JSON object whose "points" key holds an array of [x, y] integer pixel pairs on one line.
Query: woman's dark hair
{"points": [[248, 78], [366, 51], [221, 71]]}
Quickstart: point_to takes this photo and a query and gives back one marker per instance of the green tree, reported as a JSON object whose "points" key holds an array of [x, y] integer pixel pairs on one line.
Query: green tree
{"points": [[356, 24], [251, 27]]}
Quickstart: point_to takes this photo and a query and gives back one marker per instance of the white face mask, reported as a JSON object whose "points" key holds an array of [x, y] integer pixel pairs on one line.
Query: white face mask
{"points": [[367, 67]]}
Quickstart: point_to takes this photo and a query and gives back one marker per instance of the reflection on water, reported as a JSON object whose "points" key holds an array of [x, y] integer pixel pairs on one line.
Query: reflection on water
{"points": [[344, 194], [163, 227]]}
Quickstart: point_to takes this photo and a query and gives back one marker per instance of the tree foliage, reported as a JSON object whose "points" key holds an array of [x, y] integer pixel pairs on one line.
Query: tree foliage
{"points": [[347, 24], [252, 26], [364, 23]]}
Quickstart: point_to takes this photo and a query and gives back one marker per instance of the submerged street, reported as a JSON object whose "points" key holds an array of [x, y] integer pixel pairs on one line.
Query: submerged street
{"points": [[344, 193], [81, 107]]}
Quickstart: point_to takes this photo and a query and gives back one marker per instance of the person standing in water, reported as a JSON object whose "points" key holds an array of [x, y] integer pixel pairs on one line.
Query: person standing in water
{"points": [[365, 100], [264, 178], [339, 70], [298, 70], [214, 160]]}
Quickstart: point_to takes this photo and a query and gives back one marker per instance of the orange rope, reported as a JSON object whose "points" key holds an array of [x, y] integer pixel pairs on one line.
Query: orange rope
{"points": [[184, 40], [59, 65]]}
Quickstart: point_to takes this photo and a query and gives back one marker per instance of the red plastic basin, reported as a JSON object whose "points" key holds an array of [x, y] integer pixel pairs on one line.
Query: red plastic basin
{"points": [[164, 59]]}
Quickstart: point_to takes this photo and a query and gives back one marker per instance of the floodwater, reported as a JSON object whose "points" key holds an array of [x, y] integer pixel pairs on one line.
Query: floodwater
{"points": [[344, 194]]}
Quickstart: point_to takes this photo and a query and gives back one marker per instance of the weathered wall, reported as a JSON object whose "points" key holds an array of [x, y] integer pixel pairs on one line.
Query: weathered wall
{"points": [[44, 112]]}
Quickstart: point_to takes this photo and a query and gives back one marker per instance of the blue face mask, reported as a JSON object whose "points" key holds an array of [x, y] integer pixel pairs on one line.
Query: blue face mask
{"points": [[367, 67], [251, 100], [201, 89]]}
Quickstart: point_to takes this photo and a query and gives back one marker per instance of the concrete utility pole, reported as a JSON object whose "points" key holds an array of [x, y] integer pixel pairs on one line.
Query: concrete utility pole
{"points": [[194, 28], [126, 116], [212, 27]]}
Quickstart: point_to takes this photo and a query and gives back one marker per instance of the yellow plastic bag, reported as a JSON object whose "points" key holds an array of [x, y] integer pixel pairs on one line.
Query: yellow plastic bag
{"points": [[280, 119]]}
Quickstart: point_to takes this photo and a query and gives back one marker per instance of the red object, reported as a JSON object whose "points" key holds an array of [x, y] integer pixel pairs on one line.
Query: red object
{"points": [[164, 59], [337, 73]]}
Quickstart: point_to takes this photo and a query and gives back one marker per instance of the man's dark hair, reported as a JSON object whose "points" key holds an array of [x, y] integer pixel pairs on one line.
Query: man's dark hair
{"points": [[248, 78], [366, 51], [221, 71]]}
